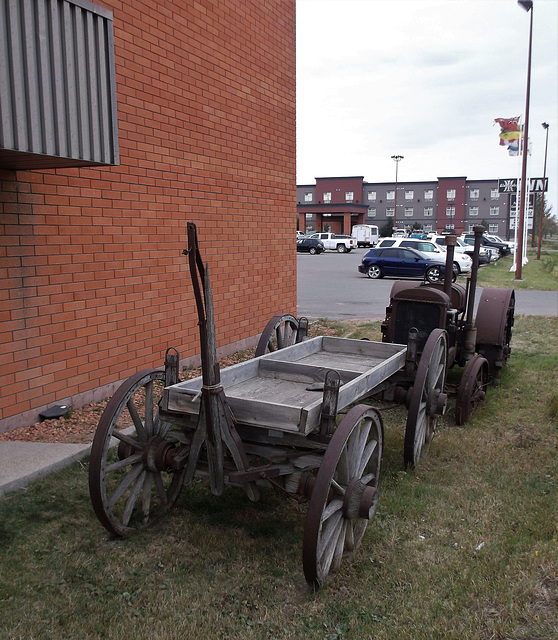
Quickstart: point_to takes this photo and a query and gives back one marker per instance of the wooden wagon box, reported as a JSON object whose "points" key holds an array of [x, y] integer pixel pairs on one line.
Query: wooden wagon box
{"points": [[272, 391]]}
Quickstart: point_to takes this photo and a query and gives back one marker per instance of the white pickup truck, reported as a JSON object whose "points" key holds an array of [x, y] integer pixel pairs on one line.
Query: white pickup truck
{"points": [[334, 242]]}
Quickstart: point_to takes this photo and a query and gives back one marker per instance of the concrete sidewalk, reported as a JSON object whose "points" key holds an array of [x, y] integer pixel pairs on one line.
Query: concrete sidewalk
{"points": [[21, 463]]}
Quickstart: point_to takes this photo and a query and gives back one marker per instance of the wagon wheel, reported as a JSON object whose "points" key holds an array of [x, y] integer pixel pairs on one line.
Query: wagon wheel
{"points": [[471, 391], [345, 494], [132, 485], [428, 399], [280, 332]]}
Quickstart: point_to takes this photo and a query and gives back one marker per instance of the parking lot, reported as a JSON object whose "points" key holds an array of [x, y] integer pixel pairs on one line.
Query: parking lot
{"points": [[330, 286]]}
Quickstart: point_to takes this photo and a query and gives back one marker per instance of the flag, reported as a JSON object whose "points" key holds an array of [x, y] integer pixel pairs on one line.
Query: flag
{"points": [[513, 147], [510, 134]]}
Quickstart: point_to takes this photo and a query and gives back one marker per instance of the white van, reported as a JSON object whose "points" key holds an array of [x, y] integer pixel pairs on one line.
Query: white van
{"points": [[366, 235]]}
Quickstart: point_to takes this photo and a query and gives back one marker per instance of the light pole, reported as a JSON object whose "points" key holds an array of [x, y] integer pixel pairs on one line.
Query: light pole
{"points": [[397, 161], [528, 6], [545, 126]]}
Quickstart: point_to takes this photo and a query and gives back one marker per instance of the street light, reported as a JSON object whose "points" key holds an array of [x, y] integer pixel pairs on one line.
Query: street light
{"points": [[545, 126], [397, 161], [528, 6]]}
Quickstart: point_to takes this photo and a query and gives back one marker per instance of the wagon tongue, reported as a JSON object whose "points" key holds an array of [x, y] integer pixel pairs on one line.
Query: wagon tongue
{"points": [[204, 304], [216, 425]]}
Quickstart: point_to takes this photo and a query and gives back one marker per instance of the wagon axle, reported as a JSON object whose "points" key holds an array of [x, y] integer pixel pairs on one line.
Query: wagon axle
{"points": [[161, 455]]}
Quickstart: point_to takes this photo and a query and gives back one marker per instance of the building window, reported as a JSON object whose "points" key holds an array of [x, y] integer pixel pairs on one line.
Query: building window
{"points": [[371, 196], [409, 195], [327, 196], [450, 226], [371, 212], [450, 211], [494, 195], [428, 195], [349, 196], [390, 195], [450, 194], [494, 211], [474, 194], [493, 228], [308, 197], [428, 212], [408, 212], [473, 211], [427, 227], [390, 212]]}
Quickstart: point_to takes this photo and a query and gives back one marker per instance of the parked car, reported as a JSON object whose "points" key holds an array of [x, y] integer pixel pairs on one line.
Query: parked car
{"points": [[335, 242], [469, 238], [309, 245], [494, 238], [461, 263], [461, 247], [399, 262], [299, 235]]}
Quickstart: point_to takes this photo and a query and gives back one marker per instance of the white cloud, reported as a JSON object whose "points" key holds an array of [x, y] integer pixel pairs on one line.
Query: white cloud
{"points": [[424, 80]]}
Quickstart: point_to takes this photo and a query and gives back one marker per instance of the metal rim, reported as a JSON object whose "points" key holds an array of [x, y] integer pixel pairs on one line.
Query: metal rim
{"points": [[428, 399], [471, 391], [280, 332], [130, 485], [345, 494], [433, 279], [374, 271]]}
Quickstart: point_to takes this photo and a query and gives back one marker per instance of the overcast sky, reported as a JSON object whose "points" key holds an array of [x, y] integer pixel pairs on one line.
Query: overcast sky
{"points": [[423, 79]]}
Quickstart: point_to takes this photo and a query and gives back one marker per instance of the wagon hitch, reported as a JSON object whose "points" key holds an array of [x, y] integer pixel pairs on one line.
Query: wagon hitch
{"points": [[216, 428]]}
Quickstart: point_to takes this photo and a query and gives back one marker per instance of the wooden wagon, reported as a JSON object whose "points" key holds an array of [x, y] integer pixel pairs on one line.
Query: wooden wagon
{"points": [[271, 420]]}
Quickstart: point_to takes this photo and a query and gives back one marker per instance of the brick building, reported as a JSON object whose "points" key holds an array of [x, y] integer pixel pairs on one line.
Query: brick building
{"points": [[447, 203], [197, 123]]}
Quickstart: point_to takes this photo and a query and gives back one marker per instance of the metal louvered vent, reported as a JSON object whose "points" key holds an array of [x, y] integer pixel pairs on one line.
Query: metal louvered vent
{"points": [[57, 85]]}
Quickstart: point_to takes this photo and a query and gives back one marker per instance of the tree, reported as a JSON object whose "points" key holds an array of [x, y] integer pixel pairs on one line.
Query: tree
{"points": [[549, 225], [386, 230]]}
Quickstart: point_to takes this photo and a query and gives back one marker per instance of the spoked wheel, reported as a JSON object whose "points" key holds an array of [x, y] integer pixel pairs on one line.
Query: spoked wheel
{"points": [[132, 484], [345, 494], [472, 388], [428, 399], [280, 332]]}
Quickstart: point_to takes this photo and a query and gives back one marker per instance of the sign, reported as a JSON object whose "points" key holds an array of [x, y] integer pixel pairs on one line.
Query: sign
{"points": [[529, 223], [509, 185]]}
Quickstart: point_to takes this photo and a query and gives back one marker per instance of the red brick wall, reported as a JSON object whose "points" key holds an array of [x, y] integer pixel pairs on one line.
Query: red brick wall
{"points": [[93, 286], [459, 184]]}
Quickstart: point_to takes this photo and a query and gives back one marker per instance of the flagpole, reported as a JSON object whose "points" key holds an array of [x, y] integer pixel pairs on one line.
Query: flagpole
{"points": [[545, 126], [528, 6], [517, 198]]}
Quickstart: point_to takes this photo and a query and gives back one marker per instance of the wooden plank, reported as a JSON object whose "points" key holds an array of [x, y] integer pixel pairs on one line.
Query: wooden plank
{"points": [[365, 383], [380, 350], [296, 351], [302, 372]]}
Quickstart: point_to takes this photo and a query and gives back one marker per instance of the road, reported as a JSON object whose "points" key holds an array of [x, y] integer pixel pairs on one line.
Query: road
{"points": [[330, 286]]}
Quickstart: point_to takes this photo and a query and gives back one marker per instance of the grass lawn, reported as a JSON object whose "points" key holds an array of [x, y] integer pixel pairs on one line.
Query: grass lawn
{"points": [[541, 275], [465, 547]]}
